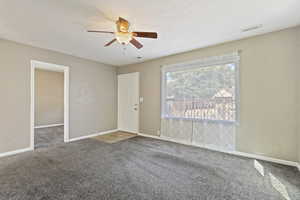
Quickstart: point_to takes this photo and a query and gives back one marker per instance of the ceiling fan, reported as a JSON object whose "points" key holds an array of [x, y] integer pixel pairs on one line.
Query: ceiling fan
{"points": [[125, 36]]}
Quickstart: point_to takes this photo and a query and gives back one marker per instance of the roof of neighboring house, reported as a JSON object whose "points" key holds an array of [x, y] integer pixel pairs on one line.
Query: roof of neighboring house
{"points": [[223, 93]]}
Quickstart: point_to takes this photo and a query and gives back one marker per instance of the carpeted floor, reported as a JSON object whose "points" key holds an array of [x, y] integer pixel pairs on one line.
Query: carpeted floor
{"points": [[141, 168], [46, 137]]}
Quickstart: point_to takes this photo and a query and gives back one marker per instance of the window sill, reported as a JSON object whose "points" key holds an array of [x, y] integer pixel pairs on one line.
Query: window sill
{"points": [[201, 120]]}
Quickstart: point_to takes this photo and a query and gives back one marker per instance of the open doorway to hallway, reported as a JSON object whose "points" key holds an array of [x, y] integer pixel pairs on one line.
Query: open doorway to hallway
{"points": [[49, 108], [49, 104]]}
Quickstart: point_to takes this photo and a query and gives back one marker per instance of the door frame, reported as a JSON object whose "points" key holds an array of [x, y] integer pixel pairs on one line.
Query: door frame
{"points": [[138, 92], [50, 67]]}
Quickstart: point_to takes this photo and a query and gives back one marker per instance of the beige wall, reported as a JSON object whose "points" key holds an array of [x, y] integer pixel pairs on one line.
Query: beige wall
{"points": [[49, 97], [93, 94], [267, 92]]}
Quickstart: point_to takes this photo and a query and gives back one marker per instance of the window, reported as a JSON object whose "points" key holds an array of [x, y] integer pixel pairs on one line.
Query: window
{"points": [[203, 90]]}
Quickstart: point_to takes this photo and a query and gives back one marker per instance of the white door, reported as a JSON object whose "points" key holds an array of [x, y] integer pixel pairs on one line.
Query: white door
{"points": [[128, 102]]}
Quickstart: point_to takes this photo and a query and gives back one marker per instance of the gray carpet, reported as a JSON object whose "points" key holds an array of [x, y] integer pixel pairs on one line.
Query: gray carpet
{"points": [[46, 137], [141, 168]]}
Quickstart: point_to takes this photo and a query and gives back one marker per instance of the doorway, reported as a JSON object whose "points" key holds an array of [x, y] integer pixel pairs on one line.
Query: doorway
{"points": [[128, 102], [46, 128]]}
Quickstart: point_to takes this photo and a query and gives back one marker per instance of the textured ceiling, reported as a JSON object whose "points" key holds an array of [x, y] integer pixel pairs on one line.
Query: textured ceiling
{"points": [[61, 25]]}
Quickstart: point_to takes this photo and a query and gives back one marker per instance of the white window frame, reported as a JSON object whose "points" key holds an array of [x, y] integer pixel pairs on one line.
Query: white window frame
{"points": [[205, 62]]}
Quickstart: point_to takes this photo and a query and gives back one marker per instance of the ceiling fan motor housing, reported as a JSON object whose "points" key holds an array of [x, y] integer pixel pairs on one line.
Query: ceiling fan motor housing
{"points": [[123, 37]]}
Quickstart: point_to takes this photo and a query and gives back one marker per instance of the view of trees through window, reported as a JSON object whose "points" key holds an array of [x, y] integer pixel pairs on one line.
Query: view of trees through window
{"points": [[204, 93]]}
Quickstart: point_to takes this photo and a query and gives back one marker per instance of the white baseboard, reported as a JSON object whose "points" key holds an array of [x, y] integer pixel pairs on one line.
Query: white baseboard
{"points": [[92, 135], [298, 166], [10, 153], [128, 131], [48, 126], [237, 153]]}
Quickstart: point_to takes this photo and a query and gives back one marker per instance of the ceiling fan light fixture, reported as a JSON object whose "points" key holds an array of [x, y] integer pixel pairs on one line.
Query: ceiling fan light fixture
{"points": [[122, 25], [123, 38]]}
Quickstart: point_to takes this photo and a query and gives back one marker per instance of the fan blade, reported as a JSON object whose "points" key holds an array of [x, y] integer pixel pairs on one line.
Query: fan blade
{"points": [[145, 34], [110, 42], [91, 31], [136, 43]]}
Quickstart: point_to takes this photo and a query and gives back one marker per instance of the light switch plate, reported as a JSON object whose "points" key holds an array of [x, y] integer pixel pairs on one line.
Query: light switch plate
{"points": [[141, 99]]}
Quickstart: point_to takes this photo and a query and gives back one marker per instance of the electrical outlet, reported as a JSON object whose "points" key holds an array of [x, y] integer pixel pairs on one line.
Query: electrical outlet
{"points": [[158, 132]]}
